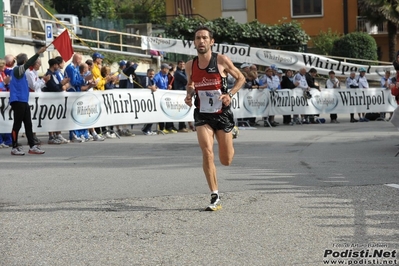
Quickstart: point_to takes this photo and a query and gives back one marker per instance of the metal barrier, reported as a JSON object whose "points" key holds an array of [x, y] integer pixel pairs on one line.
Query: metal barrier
{"points": [[121, 41]]}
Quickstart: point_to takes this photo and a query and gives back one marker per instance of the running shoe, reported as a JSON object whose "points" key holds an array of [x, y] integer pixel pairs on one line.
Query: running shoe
{"points": [[127, 133], [54, 141], [62, 139], [147, 133], [98, 138], [215, 203], [36, 140], [165, 131], [76, 139], [17, 151], [172, 131], [3, 145], [36, 150], [235, 132]]}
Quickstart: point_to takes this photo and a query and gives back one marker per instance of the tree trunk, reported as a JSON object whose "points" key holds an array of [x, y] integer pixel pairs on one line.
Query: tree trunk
{"points": [[392, 29]]}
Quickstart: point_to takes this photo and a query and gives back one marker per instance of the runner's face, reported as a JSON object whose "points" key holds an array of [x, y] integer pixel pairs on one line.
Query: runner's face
{"points": [[203, 42]]}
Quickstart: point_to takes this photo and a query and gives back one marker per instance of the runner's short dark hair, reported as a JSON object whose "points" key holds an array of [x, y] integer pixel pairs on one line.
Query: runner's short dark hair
{"points": [[202, 27]]}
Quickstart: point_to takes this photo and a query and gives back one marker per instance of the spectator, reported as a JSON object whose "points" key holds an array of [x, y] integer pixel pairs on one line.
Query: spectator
{"points": [[61, 64], [311, 80], [351, 83], [54, 85], [250, 83], [394, 85], [133, 80], [333, 83], [300, 82], [96, 71], [82, 135], [19, 101], [5, 138], [148, 82], [35, 83], [245, 68], [106, 73], [180, 83], [272, 83], [122, 77], [76, 80], [161, 81], [386, 82], [363, 84], [287, 82]]}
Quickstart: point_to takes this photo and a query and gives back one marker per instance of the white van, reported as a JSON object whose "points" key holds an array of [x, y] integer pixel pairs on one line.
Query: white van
{"points": [[71, 21]]}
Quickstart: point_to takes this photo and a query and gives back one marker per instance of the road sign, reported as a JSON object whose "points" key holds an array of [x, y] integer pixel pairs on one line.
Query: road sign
{"points": [[49, 36]]}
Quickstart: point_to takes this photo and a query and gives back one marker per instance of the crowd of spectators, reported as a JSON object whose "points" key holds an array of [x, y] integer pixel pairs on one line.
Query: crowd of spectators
{"points": [[91, 75], [276, 79]]}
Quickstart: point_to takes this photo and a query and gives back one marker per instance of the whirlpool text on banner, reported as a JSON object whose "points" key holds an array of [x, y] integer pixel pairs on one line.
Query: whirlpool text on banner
{"points": [[77, 110]]}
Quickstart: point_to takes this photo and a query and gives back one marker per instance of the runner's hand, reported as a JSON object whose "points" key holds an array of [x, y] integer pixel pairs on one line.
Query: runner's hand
{"points": [[225, 98], [189, 100]]}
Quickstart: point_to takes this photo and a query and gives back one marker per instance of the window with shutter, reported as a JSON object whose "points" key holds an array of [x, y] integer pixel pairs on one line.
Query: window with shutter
{"points": [[306, 8]]}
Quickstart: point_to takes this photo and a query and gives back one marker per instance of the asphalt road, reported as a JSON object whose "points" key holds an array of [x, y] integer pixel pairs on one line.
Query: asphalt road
{"points": [[292, 195]]}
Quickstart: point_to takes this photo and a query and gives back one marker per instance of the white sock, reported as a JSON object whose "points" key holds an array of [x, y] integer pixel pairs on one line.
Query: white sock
{"points": [[215, 192]]}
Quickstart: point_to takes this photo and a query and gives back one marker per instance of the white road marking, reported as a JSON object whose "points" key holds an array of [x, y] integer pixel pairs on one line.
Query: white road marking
{"points": [[393, 185]]}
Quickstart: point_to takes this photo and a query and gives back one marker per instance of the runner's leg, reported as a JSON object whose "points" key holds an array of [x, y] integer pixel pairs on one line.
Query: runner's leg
{"points": [[226, 149], [205, 137]]}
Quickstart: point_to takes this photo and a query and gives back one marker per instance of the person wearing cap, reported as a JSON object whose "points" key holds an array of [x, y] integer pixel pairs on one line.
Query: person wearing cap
{"points": [[122, 77], [161, 81], [363, 84], [96, 71], [245, 67], [19, 101], [133, 81]]}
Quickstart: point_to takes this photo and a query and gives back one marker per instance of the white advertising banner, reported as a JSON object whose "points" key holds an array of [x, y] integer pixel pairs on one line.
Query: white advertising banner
{"points": [[52, 111], [254, 103], [78, 110], [267, 57]]}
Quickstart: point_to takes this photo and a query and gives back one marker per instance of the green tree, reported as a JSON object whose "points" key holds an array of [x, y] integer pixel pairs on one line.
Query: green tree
{"points": [[324, 41], [102, 9], [143, 11], [285, 36], [79, 8], [358, 45], [378, 11]]}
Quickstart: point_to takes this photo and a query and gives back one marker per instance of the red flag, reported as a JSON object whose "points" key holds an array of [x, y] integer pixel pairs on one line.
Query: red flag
{"points": [[64, 46]]}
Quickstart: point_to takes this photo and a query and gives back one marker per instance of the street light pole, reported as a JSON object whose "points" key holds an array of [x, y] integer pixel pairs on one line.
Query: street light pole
{"points": [[2, 42]]}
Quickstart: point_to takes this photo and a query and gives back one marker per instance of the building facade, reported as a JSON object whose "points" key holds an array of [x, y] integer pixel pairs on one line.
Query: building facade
{"points": [[340, 16]]}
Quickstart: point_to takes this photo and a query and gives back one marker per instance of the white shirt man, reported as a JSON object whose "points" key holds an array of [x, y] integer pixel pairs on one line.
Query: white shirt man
{"points": [[332, 82], [362, 80], [34, 82], [300, 80], [351, 82], [386, 81]]}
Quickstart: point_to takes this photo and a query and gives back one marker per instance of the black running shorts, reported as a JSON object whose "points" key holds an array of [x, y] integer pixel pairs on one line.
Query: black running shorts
{"points": [[223, 121]]}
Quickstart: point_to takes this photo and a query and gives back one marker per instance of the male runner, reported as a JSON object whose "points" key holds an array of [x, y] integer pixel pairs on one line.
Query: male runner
{"points": [[207, 81]]}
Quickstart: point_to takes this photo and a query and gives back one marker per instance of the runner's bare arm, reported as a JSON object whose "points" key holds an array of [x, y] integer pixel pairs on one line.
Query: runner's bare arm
{"points": [[190, 84], [232, 70]]}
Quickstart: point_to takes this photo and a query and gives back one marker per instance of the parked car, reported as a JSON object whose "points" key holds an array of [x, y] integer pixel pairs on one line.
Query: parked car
{"points": [[70, 21]]}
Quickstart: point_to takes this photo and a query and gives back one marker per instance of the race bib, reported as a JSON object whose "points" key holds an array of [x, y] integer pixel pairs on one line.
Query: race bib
{"points": [[209, 101]]}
